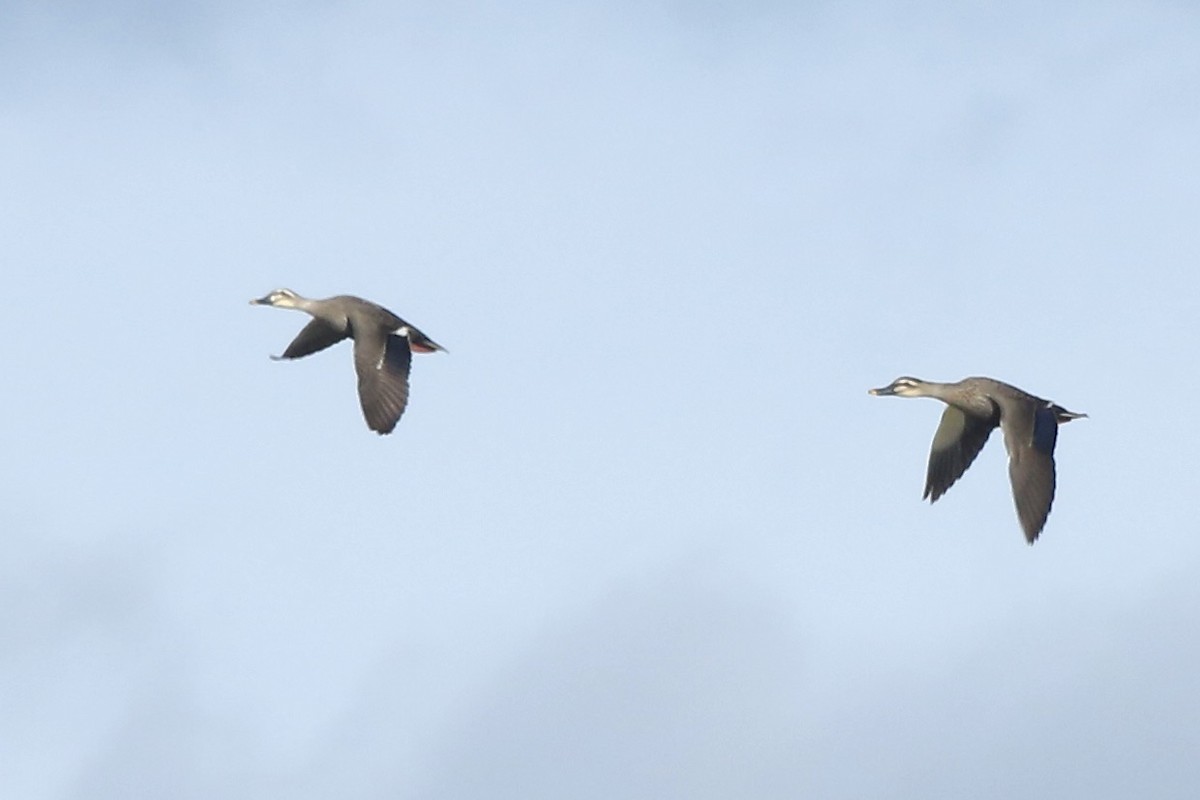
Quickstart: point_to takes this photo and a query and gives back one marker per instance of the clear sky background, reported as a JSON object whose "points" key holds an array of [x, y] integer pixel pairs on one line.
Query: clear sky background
{"points": [[642, 533]]}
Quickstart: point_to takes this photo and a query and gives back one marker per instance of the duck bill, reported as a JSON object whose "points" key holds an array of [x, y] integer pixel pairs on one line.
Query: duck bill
{"points": [[882, 392], [261, 301]]}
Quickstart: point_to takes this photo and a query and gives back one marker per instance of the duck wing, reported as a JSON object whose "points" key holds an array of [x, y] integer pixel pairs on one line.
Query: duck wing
{"points": [[313, 337], [1030, 434], [382, 362], [959, 438]]}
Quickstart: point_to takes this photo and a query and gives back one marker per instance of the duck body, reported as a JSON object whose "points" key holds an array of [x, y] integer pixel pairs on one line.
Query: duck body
{"points": [[974, 408], [383, 348]]}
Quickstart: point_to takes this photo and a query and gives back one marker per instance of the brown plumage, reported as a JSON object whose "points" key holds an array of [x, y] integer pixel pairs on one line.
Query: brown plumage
{"points": [[383, 348], [974, 408]]}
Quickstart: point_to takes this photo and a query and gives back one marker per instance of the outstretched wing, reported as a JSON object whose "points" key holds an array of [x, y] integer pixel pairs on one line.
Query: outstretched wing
{"points": [[382, 363], [314, 337], [1030, 438], [959, 438]]}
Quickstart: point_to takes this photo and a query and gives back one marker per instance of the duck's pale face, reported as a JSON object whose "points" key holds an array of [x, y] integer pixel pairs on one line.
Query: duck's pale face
{"points": [[903, 387], [280, 298]]}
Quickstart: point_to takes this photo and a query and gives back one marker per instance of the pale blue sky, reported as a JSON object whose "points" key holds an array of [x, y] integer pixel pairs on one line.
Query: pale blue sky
{"points": [[641, 533]]}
